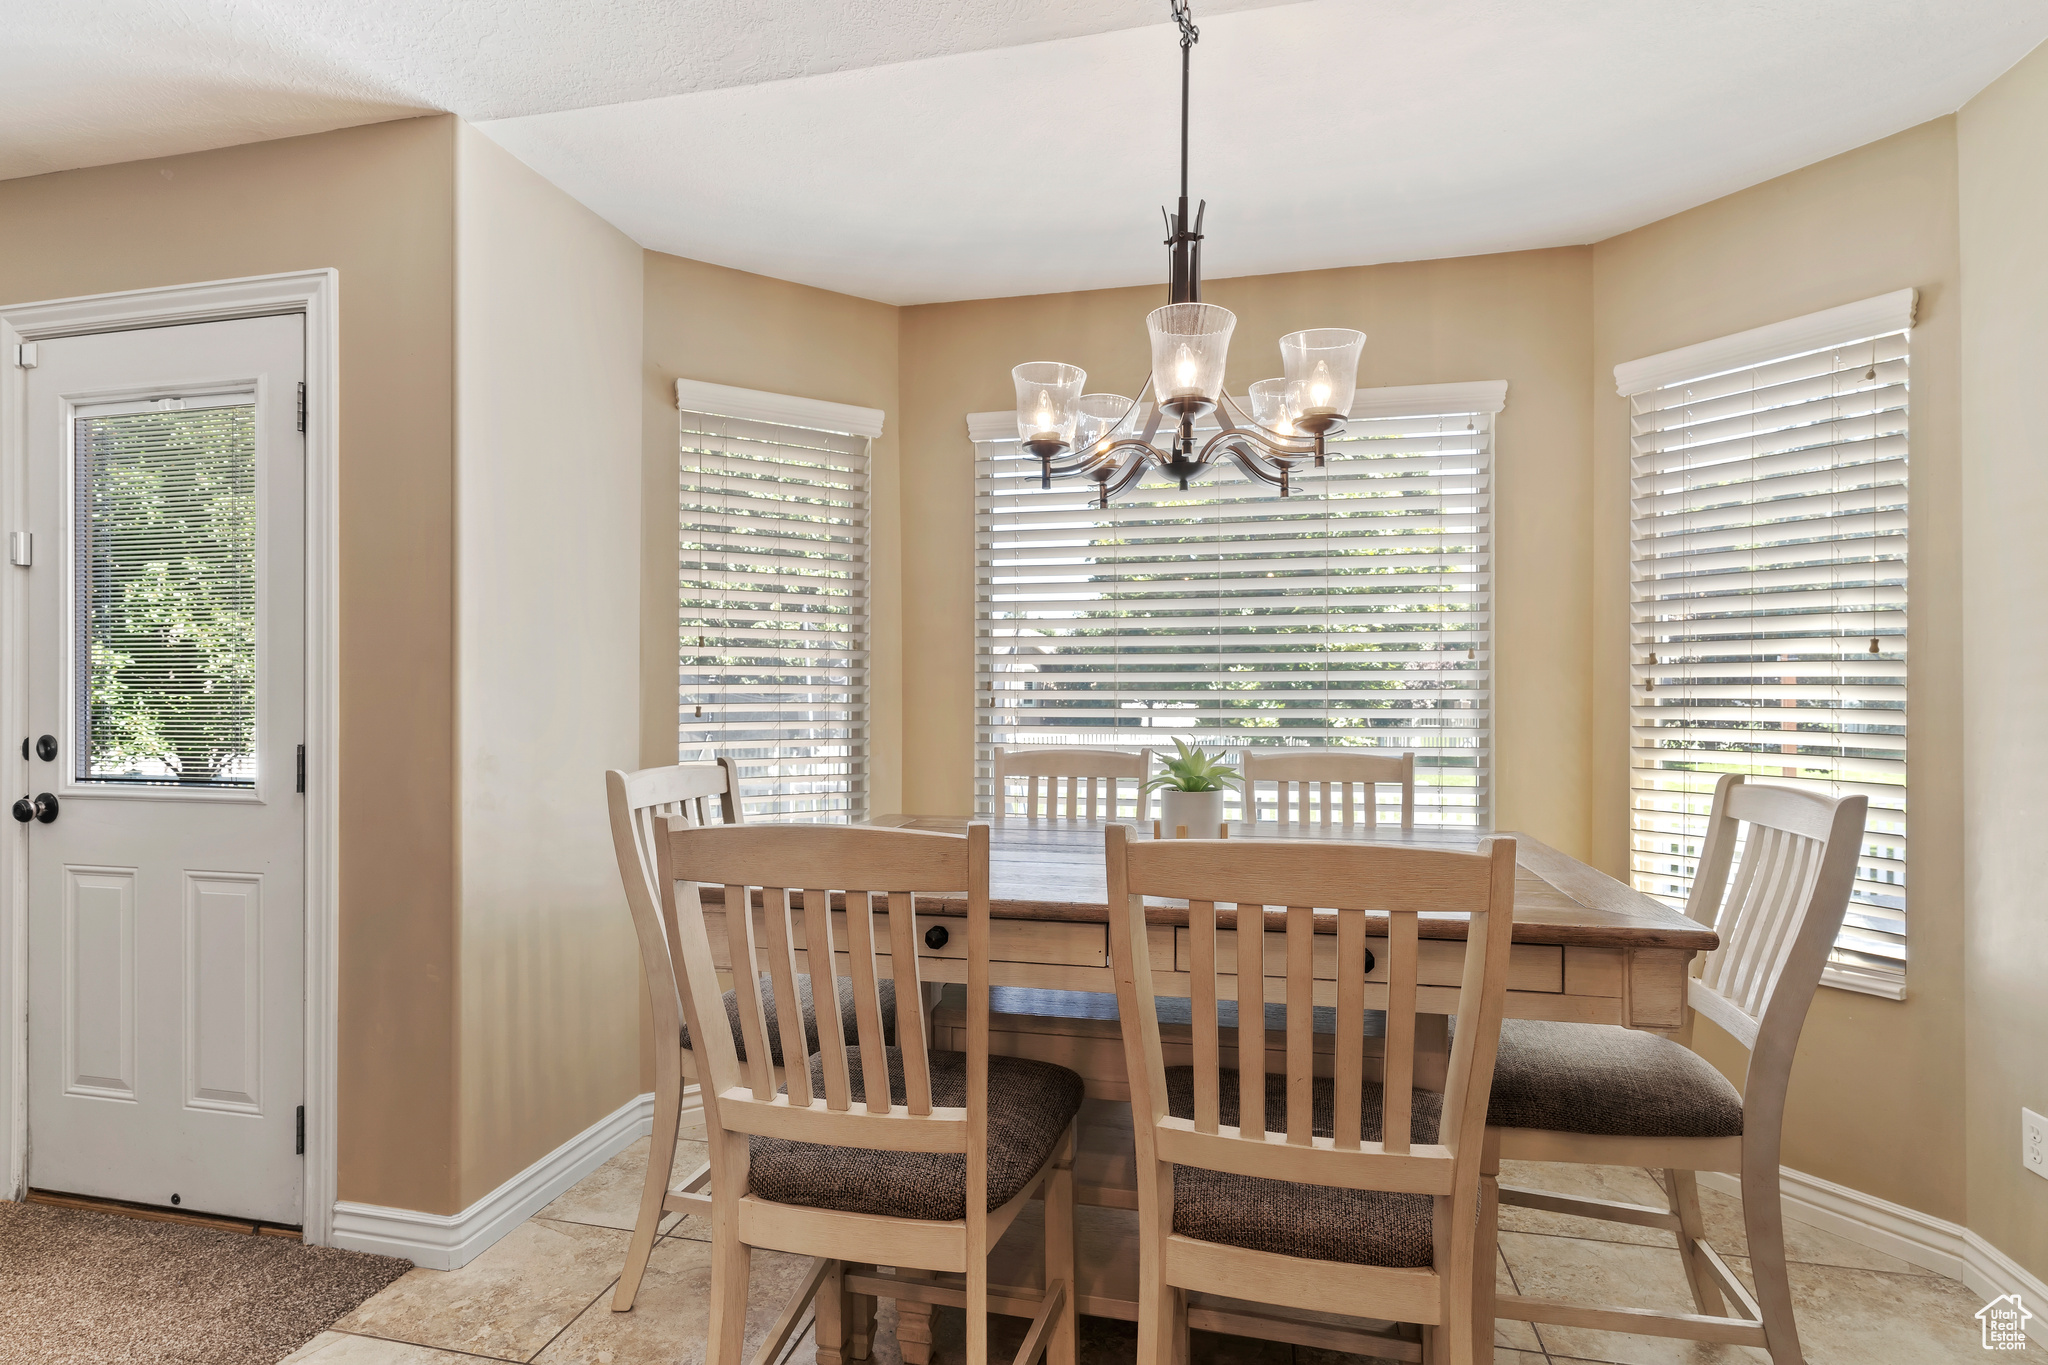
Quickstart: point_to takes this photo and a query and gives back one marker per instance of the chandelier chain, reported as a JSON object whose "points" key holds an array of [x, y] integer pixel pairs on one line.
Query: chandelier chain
{"points": [[1189, 34]]}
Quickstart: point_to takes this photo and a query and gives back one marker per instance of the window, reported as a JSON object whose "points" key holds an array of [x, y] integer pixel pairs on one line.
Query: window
{"points": [[1356, 612], [1768, 570], [774, 600], [165, 500]]}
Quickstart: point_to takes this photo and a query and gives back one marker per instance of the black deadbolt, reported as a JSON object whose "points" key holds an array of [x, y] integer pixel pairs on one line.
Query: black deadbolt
{"points": [[46, 748], [45, 807], [176, 1200], [24, 809], [935, 937]]}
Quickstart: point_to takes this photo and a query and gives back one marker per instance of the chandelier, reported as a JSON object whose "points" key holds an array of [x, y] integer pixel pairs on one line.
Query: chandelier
{"points": [[1114, 440]]}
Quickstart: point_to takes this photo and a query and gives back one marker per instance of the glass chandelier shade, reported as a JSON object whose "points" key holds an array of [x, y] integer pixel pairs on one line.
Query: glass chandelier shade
{"points": [[1322, 375], [1190, 343], [1100, 414], [1048, 402], [1269, 406]]}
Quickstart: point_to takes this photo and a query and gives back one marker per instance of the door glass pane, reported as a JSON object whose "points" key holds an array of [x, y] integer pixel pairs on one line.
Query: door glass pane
{"points": [[166, 596]]}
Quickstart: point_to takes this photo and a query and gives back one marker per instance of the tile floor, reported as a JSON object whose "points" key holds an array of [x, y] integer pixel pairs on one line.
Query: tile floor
{"points": [[542, 1294]]}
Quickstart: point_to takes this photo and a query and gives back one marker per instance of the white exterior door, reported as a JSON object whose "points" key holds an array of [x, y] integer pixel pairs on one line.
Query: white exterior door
{"points": [[166, 708]]}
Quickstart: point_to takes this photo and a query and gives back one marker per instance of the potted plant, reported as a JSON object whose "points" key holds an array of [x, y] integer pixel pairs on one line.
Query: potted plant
{"points": [[1191, 792]]}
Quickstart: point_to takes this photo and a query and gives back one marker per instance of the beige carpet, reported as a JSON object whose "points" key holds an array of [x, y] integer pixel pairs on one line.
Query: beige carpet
{"points": [[95, 1287]]}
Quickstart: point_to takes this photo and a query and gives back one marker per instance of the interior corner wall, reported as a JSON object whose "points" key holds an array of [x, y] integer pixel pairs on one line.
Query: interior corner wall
{"points": [[1877, 1097], [547, 345], [1520, 316], [376, 203], [2002, 145]]}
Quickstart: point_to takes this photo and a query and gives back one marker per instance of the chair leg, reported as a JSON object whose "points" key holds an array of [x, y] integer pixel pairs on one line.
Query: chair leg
{"points": [[1685, 1202], [914, 1324], [832, 1311], [730, 1261], [1162, 1319], [1763, 1218], [977, 1306], [860, 1339], [1064, 1346], [1486, 1252], [661, 1162]]}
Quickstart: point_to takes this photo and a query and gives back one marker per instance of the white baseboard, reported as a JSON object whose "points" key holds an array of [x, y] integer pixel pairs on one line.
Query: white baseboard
{"points": [[445, 1241], [1914, 1237]]}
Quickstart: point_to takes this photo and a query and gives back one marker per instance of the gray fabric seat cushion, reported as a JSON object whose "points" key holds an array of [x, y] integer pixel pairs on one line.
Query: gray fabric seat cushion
{"points": [[1030, 1105], [1607, 1080], [1361, 1227], [885, 988]]}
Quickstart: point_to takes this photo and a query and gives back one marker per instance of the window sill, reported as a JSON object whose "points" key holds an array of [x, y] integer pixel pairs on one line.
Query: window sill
{"points": [[1880, 984]]}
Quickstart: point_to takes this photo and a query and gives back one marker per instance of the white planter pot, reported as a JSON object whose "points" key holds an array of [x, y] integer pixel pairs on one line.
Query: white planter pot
{"points": [[1201, 812]]}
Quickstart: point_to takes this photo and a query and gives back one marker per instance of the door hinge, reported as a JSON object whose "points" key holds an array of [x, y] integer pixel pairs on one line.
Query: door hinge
{"points": [[302, 1131], [302, 405], [302, 767], [25, 355], [21, 548]]}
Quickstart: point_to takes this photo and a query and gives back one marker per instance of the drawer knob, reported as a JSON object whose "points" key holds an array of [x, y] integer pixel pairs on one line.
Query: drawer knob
{"points": [[936, 937]]}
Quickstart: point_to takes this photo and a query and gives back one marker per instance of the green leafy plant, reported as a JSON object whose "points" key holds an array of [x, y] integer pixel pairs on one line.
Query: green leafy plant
{"points": [[1193, 771]]}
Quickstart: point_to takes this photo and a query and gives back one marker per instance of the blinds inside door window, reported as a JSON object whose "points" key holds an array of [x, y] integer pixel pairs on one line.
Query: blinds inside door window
{"points": [[1354, 613], [774, 570], [1769, 614]]}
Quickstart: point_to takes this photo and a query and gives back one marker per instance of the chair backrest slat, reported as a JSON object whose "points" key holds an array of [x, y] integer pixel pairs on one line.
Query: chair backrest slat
{"points": [[1251, 1018], [1349, 1089], [1093, 772], [782, 974], [868, 872], [747, 990], [1301, 1023], [910, 1016], [1322, 779], [1773, 879], [1404, 951], [1207, 1035]]}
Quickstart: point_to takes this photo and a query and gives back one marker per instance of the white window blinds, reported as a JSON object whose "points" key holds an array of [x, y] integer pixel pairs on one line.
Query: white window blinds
{"points": [[774, 597], [1355, 613], [1768, 572]]}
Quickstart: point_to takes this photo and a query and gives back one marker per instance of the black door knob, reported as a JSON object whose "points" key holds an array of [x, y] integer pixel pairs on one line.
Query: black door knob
{"points": [[45, 807], [46, 748], [24, 810], [935, 937]]}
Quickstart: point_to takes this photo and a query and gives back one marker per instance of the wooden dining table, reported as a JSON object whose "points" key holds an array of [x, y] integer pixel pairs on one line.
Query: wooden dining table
{"points": [[1587, 949]]}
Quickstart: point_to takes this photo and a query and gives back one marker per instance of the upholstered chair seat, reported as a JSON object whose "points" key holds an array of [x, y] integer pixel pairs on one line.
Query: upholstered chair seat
{"points": [[1030, 1104], [1606, 1080], [887, 992], [1322, 1222]]}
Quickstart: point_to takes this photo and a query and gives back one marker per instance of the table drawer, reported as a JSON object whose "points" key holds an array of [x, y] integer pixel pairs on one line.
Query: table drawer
{"points": [[1041, 941], [1531, 966]]}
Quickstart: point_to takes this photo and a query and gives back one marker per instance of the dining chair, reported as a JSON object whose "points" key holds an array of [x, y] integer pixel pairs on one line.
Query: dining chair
{"points": [[1600, 1094], [1334, 772], [1354, 1192], [1096, 770], [900, 1155], [646, 805]]}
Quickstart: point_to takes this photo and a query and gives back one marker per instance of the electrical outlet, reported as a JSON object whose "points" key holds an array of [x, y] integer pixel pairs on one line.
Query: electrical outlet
{"points": [[2034, 1142]]}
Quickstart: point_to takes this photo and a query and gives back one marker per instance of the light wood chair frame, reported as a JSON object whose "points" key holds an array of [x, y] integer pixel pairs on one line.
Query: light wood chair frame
{"points": [[645, 806], [797, 870], [1777, 926], [1095, 771], [1333, 771], [1372, 890]]}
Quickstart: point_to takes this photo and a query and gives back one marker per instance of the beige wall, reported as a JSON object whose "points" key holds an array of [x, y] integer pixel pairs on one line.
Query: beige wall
{"points": [[1522, 317], [377, 204], [1877, 1097], [547, 346], [2002, 138]]}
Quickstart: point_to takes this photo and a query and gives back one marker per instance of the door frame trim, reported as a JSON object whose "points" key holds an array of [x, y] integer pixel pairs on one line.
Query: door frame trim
{"points": [[316, 294]]}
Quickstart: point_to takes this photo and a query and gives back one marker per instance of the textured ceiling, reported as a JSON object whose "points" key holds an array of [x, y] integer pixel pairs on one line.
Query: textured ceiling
{"points": [[916, 150]]}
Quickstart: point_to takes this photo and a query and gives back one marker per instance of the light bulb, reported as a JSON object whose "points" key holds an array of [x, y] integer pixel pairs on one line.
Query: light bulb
{"points": [[1045, 417], [1319, 386], [1185, 367]]}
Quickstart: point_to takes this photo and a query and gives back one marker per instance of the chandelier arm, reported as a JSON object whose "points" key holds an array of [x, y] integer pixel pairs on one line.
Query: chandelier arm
{"points": [[1098, 455], [1249, 457], [1259, 432], [1123, 478]]}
